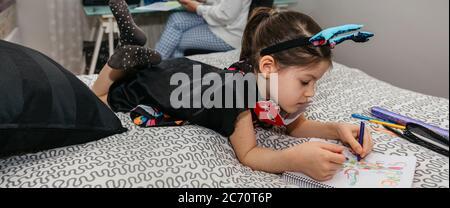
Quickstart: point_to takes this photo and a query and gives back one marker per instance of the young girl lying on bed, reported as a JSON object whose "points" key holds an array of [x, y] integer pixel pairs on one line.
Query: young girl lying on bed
{"points": [[274, 43]]}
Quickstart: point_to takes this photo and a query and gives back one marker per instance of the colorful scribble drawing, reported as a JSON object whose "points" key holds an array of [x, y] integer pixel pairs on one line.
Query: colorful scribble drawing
{"points": [[390, 173], [352, 176]]}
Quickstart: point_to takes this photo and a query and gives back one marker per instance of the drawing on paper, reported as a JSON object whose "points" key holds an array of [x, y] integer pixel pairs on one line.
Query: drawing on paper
{"points": [[389, 174]]}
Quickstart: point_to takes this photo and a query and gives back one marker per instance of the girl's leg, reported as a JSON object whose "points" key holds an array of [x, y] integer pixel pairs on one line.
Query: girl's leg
{"points": [[130, 33], [177, 24], [130, 55], [104, 81], [202, 38], [127, 57]]}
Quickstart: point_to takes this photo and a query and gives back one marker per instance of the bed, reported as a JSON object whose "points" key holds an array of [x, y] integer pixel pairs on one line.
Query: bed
{"points": [[196, 157]]}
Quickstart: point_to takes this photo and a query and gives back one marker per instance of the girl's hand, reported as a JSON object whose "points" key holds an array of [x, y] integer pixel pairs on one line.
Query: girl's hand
{"points": [[349, 134], [190, 5], [318, 160]]}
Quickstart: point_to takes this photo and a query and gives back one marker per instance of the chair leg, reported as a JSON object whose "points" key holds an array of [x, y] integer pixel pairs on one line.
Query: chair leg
{"points": [[97, 49], [111, 36]]}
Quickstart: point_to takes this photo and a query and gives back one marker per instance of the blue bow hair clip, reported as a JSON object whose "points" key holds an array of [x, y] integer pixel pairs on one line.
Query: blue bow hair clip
{"points": [[325, 37], [328, 36]]}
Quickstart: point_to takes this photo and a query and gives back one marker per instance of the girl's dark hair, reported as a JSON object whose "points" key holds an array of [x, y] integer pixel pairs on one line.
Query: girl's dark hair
{"points": [[267, 27]]}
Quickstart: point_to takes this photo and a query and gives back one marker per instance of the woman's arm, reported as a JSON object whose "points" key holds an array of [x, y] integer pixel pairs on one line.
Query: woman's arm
{"points": [[221, 14], [249, 154], [304, 128], [208, 2]]}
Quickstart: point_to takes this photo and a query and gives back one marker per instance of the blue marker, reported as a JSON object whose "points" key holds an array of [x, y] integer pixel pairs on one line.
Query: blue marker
{"points": [[359, 116], [366, 118], [361, 137]]}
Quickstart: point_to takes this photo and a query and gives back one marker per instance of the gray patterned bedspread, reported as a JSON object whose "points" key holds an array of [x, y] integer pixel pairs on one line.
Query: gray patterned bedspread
{"points": [[193, 156]]}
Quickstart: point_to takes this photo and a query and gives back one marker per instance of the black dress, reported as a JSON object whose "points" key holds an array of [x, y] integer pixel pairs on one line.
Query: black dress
{"points": [[150, 88]]}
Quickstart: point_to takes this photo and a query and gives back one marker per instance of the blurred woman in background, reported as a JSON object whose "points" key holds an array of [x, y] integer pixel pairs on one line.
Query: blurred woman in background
{"points": [[213, 25]]}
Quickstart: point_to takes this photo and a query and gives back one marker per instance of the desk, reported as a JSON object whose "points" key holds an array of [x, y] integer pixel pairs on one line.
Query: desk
{"points": [[107, 25], [104, 10]]}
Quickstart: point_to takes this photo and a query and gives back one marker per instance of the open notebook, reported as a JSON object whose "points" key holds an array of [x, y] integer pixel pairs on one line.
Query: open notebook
{"points": [[375, 171]]}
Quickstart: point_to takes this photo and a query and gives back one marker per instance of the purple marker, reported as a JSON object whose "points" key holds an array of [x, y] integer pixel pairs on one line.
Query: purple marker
{"points": [[362, 127], [403, 120]]}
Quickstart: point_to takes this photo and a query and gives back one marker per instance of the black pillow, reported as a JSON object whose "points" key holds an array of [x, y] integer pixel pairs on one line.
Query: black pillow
{"points": [[44, 106]]}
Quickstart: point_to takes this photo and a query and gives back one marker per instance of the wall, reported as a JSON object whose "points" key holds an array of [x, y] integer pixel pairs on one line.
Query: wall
{"points": [[411, 48], [8, 16], [56, 28], [33, 21]]}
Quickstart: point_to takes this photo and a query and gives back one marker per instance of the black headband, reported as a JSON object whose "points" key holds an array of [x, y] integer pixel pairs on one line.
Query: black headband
{"points": [[303, 41], [325, 37]]}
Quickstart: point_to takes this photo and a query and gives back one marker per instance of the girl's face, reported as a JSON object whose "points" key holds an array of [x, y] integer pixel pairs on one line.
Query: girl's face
{"points": [[296, 85]]}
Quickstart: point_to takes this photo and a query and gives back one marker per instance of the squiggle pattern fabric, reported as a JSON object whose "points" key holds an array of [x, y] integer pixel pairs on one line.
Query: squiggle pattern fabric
{"points": [[193, 156]]}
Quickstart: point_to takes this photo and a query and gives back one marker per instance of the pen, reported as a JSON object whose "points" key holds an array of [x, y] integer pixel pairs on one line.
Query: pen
{"points": [[361, 137], [396, 132], [388, 124], [359, 116], [384, 123]]}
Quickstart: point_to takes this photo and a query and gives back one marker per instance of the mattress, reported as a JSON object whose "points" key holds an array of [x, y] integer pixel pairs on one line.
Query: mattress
{"points": [[196, 157]]}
